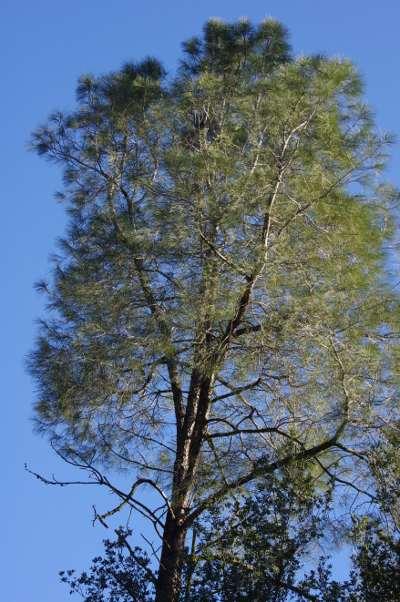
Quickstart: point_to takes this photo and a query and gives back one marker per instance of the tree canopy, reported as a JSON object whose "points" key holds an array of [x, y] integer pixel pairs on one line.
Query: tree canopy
{"points": [[222, 306]]}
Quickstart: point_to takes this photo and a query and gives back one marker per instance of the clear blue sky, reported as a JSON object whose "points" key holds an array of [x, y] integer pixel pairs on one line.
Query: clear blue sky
{"points": [[44, 46]]}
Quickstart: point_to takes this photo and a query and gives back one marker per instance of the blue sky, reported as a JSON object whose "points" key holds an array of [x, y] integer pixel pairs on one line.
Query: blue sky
{"points": [[44, 46]]}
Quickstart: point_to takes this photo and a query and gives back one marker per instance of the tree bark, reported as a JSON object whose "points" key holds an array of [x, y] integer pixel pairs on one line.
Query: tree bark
{"points": [[169, 575]]}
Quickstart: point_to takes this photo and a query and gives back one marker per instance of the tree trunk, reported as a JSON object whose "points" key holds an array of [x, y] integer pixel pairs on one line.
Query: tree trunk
{"points": [[169, 582], [169, 575]]}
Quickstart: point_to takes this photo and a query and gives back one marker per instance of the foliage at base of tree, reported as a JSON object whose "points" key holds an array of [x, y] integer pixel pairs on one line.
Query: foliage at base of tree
{"points": [[375, 576], [253, 547], [375, 572], [254, 550], [120, 575]]}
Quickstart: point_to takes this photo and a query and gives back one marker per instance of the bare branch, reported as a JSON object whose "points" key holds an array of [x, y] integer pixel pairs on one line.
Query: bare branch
{"points": [[237, 390]]}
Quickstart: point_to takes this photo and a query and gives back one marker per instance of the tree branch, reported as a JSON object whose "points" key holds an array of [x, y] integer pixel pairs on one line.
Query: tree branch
{"points": [[259, 470]]}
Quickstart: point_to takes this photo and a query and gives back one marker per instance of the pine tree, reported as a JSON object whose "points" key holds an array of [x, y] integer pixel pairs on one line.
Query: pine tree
{"points": [[221, 306]]}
